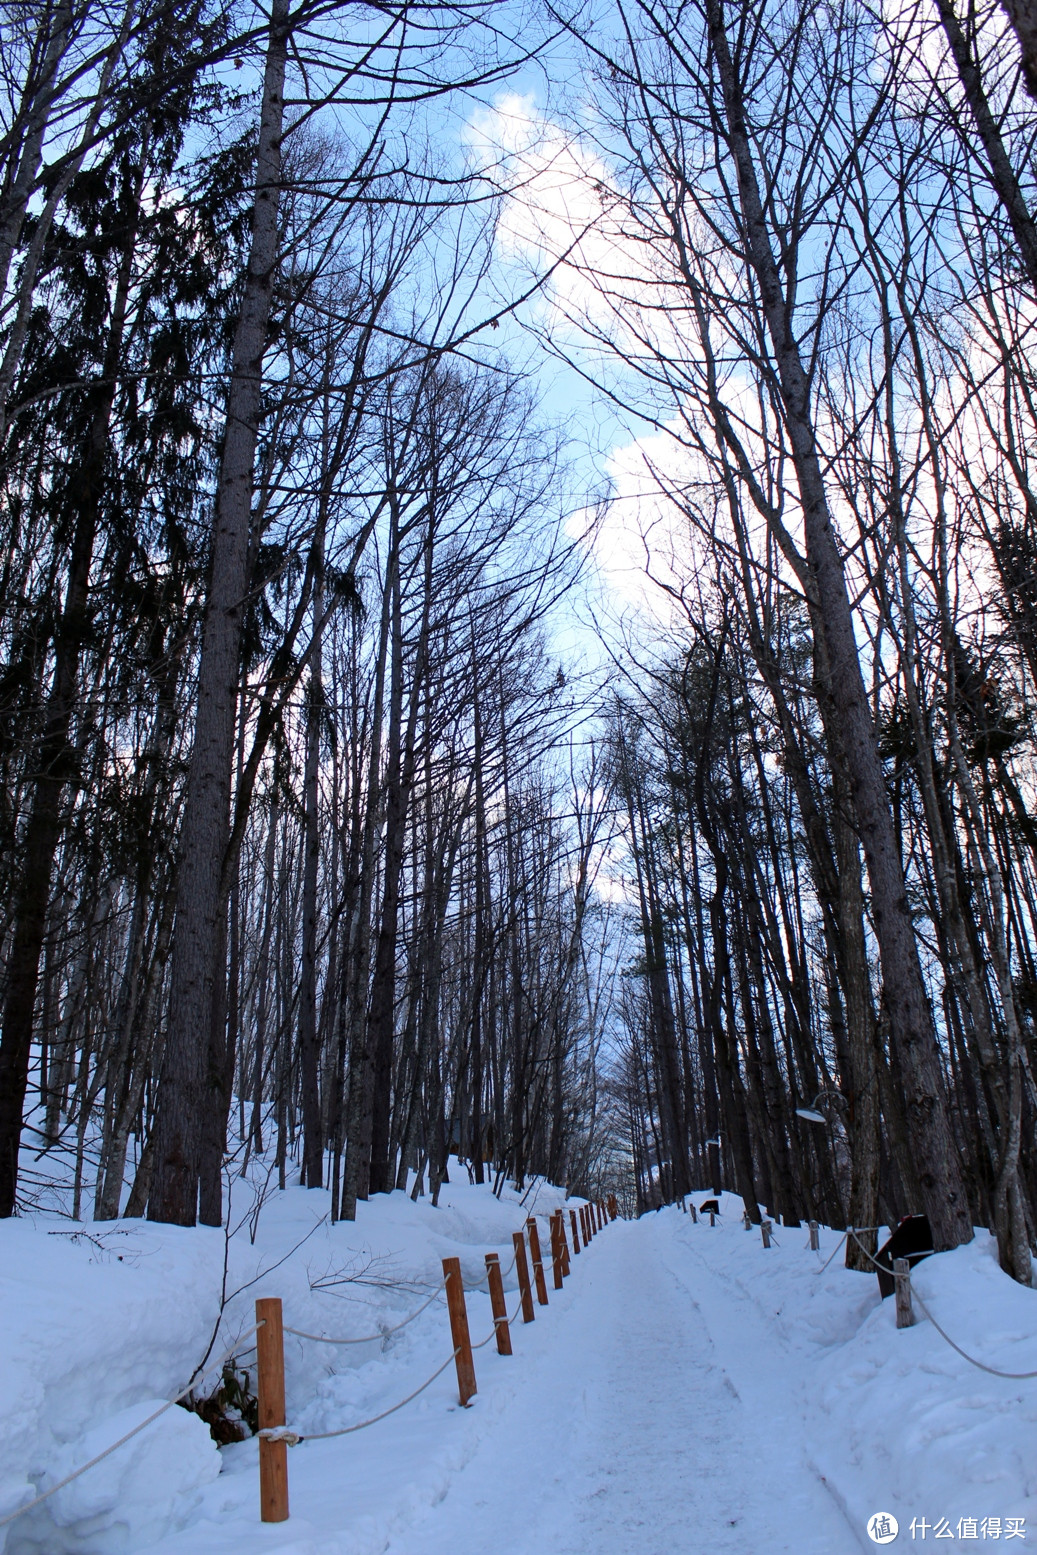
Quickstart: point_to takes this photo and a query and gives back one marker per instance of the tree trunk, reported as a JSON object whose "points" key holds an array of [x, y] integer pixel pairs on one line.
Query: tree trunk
{"points": [[945, 1200], [181, 1098], [54, 763]]}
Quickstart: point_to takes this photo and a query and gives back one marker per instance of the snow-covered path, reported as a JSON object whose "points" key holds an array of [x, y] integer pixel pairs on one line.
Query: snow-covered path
{"points": [[686, 1393], [658, 1415]]}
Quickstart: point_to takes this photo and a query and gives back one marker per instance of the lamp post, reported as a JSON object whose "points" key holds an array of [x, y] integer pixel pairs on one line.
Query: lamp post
{"points": [[811, 1113], [716, 1174]]}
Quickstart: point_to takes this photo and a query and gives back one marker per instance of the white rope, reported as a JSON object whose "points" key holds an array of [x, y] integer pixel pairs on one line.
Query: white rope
{"points": [[135, 1432], [323, 1436], [828, 1260], [283, 1433], [842, 1239], [383, 1333], [480, 1284], [1010, 1376]]}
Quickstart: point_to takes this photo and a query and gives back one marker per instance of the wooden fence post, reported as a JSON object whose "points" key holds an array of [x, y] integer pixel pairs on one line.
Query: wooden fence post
{"points": [[538, 1262], [498, 1305], [712, 1217], [522, 1270], [556, 1250], [576, 1234], [459, 1329], [273, 1455], [902, 1280], [613, 1207], [693, 1212], [765, 1232], [565, 1243], [585, 1213], [815, 1240], [601, 1216]]}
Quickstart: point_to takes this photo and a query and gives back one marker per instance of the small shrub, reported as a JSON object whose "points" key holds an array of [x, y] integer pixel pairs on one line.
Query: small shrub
{"points": [[231, 1411]]}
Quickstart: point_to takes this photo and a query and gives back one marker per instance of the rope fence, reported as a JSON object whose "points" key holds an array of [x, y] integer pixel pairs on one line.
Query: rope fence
{"points": [[907, 1294], [383, 1333], [292, 1438], [904, 1291], [275, 1436]]}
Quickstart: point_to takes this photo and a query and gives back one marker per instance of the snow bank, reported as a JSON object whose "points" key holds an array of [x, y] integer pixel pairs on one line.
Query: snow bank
{"points": [[143, 1491], [895, 1420], [101, 1319], [99, 1323]]}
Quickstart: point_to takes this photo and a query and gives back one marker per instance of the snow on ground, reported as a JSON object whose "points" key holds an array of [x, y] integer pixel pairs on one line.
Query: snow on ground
{"points": [[688, 1390]]}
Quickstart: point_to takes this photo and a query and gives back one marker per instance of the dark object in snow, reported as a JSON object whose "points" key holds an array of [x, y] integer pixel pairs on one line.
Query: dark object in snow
{"points": [[913, 1240], [710, 1207], [231, 1412]]}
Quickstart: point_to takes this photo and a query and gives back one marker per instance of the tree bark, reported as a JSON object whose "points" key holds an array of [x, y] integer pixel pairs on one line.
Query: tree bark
{"points": [[54, 763], [945, 1200], [181, 1092]]}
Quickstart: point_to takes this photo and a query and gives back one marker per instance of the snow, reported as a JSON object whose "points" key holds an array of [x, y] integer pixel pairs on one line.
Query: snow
{"points": [[134, 1496], [687, 1390]]}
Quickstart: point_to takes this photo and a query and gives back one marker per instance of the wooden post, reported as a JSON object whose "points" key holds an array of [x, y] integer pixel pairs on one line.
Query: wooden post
{"points": [[588, 1233], [712, 1218], [565, 1243], [693, 1212], [459, 1329], [765, 1232], [538, 1262], [576, 1234], [601, 1216], [815, 1240], [498, 1306], [902, 1279], [556, 1250], [273, 1455], [613, 1207], [522, 1270]]}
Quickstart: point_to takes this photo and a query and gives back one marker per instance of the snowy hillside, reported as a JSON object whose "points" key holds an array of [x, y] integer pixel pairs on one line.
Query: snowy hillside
{"points": [[687, 1390]]}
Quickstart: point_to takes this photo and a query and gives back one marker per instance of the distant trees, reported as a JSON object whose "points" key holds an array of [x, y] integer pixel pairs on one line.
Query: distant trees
{"points": [[277, 719], [292, 812], [831, 228]]}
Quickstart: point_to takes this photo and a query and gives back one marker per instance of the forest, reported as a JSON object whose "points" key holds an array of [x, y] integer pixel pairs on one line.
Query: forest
{"points": [[348, 826]]}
